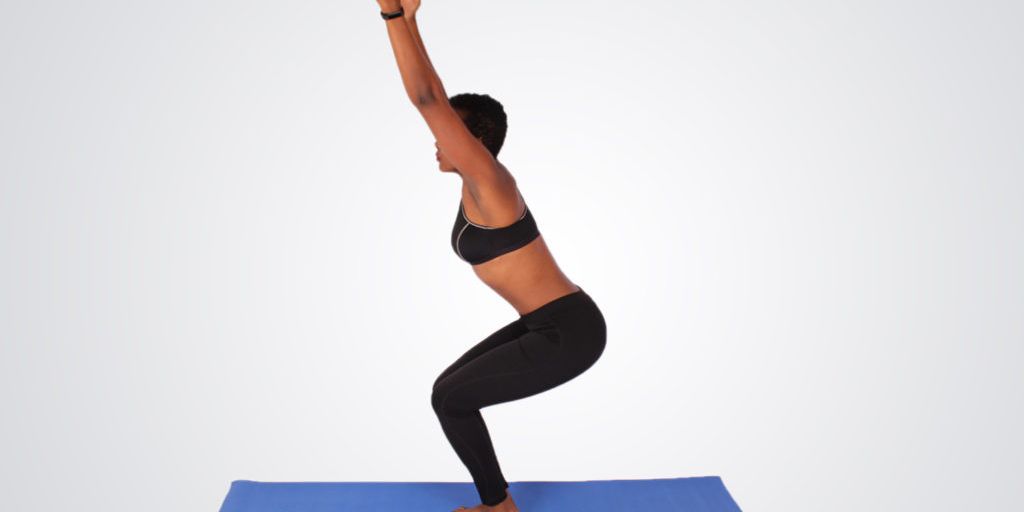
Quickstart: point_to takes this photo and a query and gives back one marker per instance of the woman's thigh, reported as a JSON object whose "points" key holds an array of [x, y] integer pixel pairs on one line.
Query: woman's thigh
{"points": [[508, 333], [529, 364]]}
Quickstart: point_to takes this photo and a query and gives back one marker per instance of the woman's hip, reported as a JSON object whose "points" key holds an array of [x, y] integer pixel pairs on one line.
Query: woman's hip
{"points": [[575, 323]]}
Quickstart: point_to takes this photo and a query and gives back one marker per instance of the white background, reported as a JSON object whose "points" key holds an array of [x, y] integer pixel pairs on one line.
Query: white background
{"points": [[225, 247]]}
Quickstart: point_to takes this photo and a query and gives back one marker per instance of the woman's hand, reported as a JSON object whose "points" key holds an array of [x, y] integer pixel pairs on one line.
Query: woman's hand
{"points": [[410, 6], [390, 5]]}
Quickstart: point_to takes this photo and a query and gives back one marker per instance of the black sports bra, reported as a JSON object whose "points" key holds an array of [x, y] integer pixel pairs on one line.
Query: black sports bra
{"points": [[476, 244]]}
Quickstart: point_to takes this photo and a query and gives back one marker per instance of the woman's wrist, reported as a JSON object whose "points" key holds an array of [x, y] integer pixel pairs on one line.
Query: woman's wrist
{"points": [[389, 5]]}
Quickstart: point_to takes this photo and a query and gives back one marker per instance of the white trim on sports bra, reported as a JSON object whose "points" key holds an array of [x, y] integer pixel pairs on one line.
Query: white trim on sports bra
{"points": [[458, 238], [462, 209]]}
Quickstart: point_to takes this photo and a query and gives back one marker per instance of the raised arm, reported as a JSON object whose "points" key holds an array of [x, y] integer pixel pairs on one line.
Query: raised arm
{"points": [[410, 7], [421, 82], [423, 87]]}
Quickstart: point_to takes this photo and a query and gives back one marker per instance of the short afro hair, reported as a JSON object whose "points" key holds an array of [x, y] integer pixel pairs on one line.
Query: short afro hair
{"points": [[485, 118]]}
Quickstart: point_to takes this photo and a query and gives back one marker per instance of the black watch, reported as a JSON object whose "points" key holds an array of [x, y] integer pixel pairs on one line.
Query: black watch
{"points": [[390, 15]]}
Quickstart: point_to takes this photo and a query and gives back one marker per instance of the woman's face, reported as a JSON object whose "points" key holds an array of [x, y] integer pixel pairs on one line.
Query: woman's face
{"points": [[442, 161]]}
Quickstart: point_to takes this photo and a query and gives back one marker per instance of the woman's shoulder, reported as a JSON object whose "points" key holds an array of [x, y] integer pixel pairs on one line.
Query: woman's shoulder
{"points": [[495, 204]]}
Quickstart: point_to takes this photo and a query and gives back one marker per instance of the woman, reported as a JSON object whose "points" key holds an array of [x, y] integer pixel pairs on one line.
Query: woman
{"points": [[560, 331]]}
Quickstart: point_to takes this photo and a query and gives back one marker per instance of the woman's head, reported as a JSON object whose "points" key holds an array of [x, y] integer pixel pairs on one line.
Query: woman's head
{"points": [[485, 118]]}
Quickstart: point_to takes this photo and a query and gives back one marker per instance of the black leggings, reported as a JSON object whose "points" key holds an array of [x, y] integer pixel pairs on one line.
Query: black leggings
{"points": [[540, 350]]}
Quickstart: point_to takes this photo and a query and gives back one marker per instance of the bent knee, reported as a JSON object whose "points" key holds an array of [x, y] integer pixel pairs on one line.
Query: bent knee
{"points": [[444, 402], [437, 398]]}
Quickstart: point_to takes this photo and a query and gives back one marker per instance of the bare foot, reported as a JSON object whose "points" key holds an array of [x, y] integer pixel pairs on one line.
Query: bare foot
{"points": [[505, 506]]}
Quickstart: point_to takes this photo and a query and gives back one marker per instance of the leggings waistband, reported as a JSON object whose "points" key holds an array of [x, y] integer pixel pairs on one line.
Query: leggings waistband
{"points": [[555, 306]]}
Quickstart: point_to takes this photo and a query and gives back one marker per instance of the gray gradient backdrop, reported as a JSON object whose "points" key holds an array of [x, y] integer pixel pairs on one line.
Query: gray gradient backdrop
{"points": [[225, 248]]}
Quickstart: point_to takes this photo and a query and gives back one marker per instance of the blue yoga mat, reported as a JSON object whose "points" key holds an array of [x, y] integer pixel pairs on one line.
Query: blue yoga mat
{"points": [[696, 494]]}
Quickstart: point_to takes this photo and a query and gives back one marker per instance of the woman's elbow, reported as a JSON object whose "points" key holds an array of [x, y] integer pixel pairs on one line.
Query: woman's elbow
{"points": [[426, 97]]}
